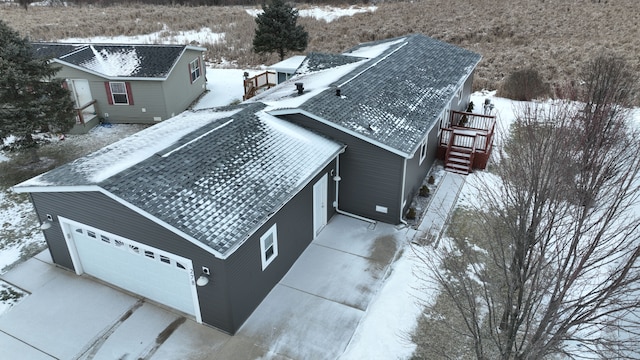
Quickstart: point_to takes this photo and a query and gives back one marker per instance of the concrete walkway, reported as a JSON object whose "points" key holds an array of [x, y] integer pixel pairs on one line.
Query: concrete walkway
{"points": [[311, 314]]}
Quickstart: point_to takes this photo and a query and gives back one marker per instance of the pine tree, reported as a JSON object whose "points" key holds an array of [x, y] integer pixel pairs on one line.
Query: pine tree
{"points": [[30, 97], [277, 30]]}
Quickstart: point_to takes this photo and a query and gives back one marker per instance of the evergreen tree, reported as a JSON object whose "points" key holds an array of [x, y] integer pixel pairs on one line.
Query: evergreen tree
{"points": [[30, 98], [277, 30]]}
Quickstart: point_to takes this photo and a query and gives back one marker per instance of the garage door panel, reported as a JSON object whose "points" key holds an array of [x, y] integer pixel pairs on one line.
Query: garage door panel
{"points": [[143, 270]]}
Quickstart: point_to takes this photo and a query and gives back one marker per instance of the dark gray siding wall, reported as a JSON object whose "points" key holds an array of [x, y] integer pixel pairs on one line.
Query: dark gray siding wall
{"points": [[248, 283], [98, 210], [371, 176], [416, 172]]}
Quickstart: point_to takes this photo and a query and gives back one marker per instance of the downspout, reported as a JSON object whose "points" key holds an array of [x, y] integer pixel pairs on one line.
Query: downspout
{"points": [[404, 179], [337, 179]]}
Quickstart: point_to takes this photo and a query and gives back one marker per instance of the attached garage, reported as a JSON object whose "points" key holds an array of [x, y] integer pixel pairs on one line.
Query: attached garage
{"points": [[232, 203], [157, 275]]}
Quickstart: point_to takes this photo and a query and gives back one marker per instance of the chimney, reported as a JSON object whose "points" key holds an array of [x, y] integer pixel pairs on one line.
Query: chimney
{"points": [[338, 91], [299, 87]]}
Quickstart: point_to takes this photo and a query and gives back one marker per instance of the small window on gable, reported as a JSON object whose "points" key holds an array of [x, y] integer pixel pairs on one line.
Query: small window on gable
{"points": [[194, 69], [119, 243], [423, 151], [269, 246], [119, 93], [134, 249], [105, 239], [91, 234], [165, 259], [180, 266], [149, 254], [78, 230]]}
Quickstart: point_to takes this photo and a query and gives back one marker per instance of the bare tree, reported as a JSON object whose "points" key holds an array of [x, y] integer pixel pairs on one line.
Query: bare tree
{"points": [[553, 264]]}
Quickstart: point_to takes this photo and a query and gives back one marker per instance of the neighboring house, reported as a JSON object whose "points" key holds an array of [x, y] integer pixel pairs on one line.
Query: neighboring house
{"points": [[127, 83], [207, 211], [285, 69]]}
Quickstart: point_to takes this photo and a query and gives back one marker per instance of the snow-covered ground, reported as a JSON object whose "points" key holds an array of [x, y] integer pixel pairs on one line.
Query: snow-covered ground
{"points": [[326, 13]]}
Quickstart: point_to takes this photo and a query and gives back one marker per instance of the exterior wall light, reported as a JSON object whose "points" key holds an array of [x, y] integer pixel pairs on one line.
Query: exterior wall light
{"points": [[202, 280]]}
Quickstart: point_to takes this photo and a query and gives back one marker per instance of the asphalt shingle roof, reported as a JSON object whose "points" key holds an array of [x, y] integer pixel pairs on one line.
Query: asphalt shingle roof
{"points": [[226, 179], [136, 61], [320, 61], [395, 98]]}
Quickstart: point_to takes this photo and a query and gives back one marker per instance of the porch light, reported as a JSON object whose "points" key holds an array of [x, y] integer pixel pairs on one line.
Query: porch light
{"points": [[202, 280], [45, 225]]}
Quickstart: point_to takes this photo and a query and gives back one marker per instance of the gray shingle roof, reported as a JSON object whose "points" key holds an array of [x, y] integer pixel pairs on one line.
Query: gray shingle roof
{"points": [[395, 98], [136, 61], [320, 61], [226, 179]]}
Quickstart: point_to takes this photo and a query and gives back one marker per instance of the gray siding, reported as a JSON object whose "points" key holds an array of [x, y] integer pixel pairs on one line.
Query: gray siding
{"points": [[416, 172], [97, 210], [295, 232], [178, 91], [371, 176], [152, 99]]}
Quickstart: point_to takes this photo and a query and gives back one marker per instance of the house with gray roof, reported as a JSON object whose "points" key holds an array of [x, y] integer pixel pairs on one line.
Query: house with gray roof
{"points": [[207, 211], [127, 83]]}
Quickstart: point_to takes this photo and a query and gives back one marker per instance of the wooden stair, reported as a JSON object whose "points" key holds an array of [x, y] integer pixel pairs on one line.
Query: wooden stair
{"points": [[459, 160]]}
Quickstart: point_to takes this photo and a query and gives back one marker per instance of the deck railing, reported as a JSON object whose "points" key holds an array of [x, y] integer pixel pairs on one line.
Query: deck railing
{"points": [[81, 110], [472, 120], [254, 84]]}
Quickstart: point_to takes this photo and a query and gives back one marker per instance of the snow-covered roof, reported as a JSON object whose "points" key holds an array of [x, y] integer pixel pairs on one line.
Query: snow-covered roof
{"points": [[394, 98], [289, 65], [116, 60], [216, 182]]}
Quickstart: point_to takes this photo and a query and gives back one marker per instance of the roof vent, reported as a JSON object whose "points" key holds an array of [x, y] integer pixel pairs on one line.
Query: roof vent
{"points": [[299, 87]]}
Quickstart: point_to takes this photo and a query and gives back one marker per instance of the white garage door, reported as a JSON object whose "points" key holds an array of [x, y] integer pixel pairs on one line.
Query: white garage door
{"points": [[152, 273]]}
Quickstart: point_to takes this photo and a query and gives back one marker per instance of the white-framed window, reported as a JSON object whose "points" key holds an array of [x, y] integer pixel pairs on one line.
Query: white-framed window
{"points": [[423, 151], [119, 93], [269, 246], [194, 69]]}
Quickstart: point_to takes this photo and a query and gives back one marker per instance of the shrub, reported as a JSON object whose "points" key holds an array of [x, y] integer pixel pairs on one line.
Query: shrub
{"points": [[424, 191], [431, 180], [524, 85], [411, 214]]}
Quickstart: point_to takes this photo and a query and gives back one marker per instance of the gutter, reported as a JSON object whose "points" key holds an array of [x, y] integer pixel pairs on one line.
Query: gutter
{"points": [[337, 179]]}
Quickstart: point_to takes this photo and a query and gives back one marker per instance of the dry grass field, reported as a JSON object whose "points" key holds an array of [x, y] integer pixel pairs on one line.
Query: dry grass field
{"points": [[553, 36]]}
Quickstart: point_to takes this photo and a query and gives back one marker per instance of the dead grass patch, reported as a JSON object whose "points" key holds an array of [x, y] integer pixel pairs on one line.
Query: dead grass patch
{"points": [[554, 37]]}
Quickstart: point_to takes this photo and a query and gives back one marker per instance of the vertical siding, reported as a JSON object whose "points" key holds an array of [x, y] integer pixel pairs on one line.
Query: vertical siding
{"points": [[178, 91], [248, 283], [371, 176], [97, 210]]}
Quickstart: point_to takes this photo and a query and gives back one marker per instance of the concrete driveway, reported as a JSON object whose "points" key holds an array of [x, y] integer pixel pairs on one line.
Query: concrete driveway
{"points": [[311, 314]]}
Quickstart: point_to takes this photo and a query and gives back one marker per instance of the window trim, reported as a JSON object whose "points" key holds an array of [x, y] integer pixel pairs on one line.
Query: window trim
{"points": [[273, 233], [111, 94], [195, 67], [423, 151]]}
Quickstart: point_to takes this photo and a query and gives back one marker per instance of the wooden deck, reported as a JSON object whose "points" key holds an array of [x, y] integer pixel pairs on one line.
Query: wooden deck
{"points": [[254, 85], [467, 142]]}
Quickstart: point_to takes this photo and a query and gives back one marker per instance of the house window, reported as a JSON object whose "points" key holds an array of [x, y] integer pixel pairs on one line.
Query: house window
{"points": [[460, 94], [119, 93], [269, 246], [194, 69], [423, 151]]}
